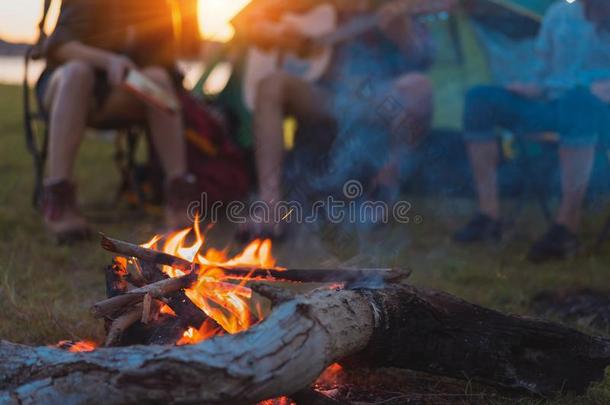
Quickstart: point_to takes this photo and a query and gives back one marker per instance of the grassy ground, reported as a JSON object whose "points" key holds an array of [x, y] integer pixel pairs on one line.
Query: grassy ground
{"points": [[45, 290]]}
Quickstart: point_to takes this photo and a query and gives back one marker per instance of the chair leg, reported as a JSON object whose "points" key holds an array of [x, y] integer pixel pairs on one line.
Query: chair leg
{"points": [[604, 235], [40, 159], [534, 185]]}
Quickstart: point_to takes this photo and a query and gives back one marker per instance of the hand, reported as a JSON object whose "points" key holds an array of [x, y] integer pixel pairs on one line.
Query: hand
{"points": [[296, 41], [601, 90], [117, 67], [525, 90]]}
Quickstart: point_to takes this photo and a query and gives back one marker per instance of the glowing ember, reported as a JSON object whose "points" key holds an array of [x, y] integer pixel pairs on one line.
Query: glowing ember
{"points": [[224, 299], [277, 401], [331, 377], [75, 347], [165, 309], [206, 331]]}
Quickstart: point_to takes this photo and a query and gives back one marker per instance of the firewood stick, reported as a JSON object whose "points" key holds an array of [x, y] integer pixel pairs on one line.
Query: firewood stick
{"points": [[301, 275], [146, 308], [121, 324], [156, 290], [149, 255]]}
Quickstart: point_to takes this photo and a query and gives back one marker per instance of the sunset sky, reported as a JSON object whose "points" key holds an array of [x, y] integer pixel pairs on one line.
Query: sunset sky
{"points": [[18, 18]]}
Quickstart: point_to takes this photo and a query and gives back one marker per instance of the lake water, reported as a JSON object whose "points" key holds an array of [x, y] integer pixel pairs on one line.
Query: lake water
{"points": [[11, 69]]}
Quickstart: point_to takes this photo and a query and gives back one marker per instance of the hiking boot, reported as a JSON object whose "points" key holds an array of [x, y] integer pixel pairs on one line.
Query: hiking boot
{"points": [[558, 243], [61, 215], [481, 228], [182, 202]]}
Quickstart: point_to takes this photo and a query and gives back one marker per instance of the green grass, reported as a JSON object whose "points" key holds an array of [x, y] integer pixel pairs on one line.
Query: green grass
{"points": [[45, 290]]}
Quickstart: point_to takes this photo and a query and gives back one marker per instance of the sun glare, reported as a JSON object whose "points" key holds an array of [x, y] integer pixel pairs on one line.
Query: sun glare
{"points": [[215, 17]]}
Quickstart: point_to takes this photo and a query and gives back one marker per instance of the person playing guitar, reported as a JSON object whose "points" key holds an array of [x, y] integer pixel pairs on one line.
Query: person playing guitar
{"points": [[374, 78]]}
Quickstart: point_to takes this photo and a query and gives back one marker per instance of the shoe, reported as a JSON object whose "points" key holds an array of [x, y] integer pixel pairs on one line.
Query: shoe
{"points": [[481, 228], [558, 243], [182, 202], [61, 215]]}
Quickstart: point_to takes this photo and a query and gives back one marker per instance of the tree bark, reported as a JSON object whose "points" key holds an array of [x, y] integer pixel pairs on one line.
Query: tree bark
{"points": [[398, 326]]}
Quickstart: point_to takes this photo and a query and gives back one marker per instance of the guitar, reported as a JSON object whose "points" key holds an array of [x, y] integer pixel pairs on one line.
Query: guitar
{"points": [[320, 26]]}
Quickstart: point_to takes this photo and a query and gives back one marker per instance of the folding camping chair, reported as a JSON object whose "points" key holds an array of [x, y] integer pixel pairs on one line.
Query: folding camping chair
{"points": [[533, 187], [37, 134], [538, 188]]}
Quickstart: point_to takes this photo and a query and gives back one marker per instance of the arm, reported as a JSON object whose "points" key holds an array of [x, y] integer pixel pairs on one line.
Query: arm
{"points": [[75, 50], [65, 43], [411, 37], [116, 66]]}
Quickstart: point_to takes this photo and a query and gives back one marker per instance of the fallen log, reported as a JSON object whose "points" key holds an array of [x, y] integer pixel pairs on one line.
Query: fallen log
{"points": [[127, 249], [399, 326]]}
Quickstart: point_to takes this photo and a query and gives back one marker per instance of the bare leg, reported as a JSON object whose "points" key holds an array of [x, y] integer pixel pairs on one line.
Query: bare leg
{"points": [[484, 159], [167, 130], [418, 97], [411, 127], [277, 95], [576, 165], [68, 99]]}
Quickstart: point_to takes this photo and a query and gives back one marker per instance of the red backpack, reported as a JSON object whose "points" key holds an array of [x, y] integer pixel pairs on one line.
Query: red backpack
{"points": [[221, 167]]}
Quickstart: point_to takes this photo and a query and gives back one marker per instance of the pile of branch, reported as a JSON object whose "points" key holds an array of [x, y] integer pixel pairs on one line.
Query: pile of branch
{"points": [[137, 288]]}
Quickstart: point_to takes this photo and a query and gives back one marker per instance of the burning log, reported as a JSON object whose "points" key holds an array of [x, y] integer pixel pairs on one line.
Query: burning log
{"points": [[159, 289], [397, 326], [301, 275], [121, 324]]}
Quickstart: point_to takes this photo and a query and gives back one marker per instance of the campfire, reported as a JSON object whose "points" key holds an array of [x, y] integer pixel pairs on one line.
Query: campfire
{"points": [[188, 323], [170, 290]]}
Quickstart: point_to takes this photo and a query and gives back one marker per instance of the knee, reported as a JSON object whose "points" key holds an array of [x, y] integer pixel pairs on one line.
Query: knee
{"points": [[418, 92], [77, 74], [271, 89], [416, 85], [158, 75]]}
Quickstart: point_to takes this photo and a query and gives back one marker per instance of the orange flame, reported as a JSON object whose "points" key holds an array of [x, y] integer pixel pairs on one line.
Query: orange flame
{"points": [[226, 302], [206, 331], [76, 347]]}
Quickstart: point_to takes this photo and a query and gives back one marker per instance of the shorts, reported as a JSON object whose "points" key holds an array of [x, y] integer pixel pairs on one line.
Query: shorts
{"points": [[101, 88]]}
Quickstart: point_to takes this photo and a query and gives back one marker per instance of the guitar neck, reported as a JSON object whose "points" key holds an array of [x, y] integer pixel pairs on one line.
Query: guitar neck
{"points": [[363, 24], [355, 28]]}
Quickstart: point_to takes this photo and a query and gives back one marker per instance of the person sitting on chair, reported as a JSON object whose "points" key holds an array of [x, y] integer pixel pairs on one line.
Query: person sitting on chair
{"points": [[91, 50], [570, 96], [375, 67]]}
